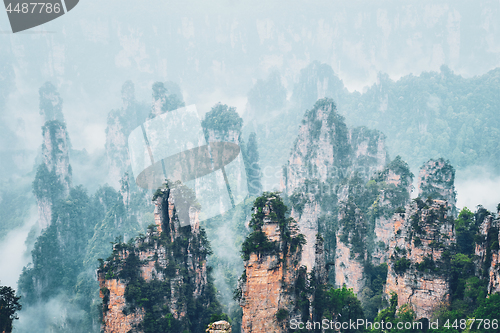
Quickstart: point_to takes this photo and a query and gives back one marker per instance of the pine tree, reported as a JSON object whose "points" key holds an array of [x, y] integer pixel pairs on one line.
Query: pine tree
{"points": [[9, 305]]}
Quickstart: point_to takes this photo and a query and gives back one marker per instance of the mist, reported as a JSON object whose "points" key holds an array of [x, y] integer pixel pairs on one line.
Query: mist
{"points": [[48, 316], [220, 51], [15, 249], [216, 52], [477, 186]]}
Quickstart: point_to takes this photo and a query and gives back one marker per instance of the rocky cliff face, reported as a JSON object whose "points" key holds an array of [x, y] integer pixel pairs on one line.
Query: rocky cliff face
{"points": [[416, 270], [166, 97], [120, 123], [325, 156], [223, 124], [160, 279], [77, 230], [53, 179], [341, 184], [436, 180], [365, 224], [55, 153], [395, 194], [317, 81], [116, 319], [50, 103], [272, 255], [488, 262]]}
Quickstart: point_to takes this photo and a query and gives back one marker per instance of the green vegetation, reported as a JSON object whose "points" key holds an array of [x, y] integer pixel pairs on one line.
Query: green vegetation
{"points": [[59, 241], [418, 122], [436, 114], [9, 305], [401, 265], [223, 118], [281, 315], [14, 214], [50, 103], [226, 258], [257, 242], [363, 206], [366, 202], [47, 184], [338, 132], [426, 265], [399, 167], [67, 252], [468, 285], [373, 294], [442, 175], [305, 92], [298, 201], [174, 283], [466, 229], [488, 309], [336, 304], [267, 95], [270, 206], [404, 314], [171, 98]]}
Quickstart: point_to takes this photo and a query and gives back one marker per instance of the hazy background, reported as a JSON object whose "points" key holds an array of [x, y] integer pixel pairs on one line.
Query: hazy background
{"points": [[216, 51]]}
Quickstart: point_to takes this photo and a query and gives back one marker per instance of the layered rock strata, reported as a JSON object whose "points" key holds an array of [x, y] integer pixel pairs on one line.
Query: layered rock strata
{"points": [[54, 177], [271, 270], [416, 270], [395, 195], [156, 277], [436, 180], [165, 97], [487, 252], [120, 123], [326, 154], [341, 184], [421, 234]]}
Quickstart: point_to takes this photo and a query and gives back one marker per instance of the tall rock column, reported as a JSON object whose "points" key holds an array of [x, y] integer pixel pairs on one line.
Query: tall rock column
{"points": [[393, 196], [317, 162], [436, 180], [416, 270], [165, 97], [326, 155], [487, 252], [223, 125], [120, 123], [160, 279], [272, 254], [53, 179], [422, 234], [365, 225]]}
